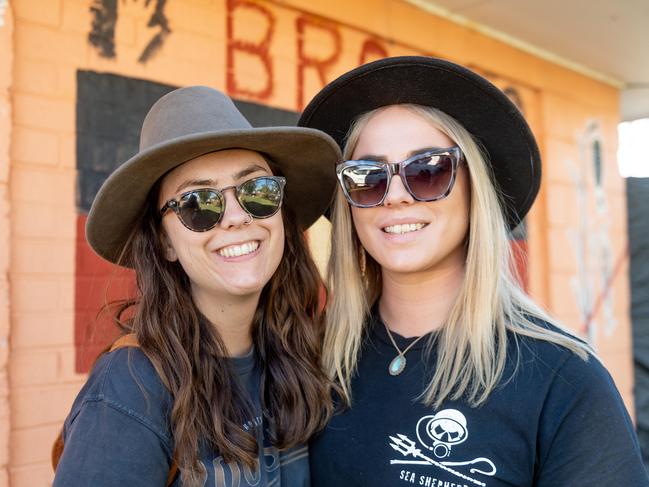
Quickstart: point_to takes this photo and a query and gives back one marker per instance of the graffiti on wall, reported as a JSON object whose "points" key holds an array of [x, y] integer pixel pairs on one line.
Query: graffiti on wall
{"points": [[318, 44], [104, 20], [319, 47], [590, 239], [3, 8]]}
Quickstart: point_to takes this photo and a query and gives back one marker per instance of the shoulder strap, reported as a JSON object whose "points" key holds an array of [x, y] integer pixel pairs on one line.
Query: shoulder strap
{"points": [[128, 340]]}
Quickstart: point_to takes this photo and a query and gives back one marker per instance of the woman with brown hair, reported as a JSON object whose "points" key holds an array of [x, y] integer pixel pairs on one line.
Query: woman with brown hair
{"points": [[222, 378], [452, 375]]}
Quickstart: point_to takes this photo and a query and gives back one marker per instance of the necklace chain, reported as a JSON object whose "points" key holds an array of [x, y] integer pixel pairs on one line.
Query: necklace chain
{"points": [[398, 363]]}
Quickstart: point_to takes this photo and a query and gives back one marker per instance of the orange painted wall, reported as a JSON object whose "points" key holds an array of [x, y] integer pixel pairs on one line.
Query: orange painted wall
{"points": [[6, 72], [278, 54]]}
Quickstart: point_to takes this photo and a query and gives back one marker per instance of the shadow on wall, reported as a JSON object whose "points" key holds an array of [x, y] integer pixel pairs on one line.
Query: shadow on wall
{"points": [[638, 214]]}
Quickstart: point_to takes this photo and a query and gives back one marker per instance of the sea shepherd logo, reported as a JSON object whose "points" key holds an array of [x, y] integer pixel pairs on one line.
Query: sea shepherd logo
{"points": [[437, 436]]}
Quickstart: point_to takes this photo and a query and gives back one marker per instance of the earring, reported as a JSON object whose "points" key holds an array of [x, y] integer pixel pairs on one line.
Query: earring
{"points": [[170, 253]]}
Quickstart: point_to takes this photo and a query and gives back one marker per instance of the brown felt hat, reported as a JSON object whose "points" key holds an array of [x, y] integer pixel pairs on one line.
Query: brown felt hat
{"points": [[483, 109], [193, 121]]}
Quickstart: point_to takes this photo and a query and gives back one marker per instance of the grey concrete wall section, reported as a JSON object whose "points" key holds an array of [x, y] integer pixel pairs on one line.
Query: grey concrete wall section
{"points": [[638, 214]]}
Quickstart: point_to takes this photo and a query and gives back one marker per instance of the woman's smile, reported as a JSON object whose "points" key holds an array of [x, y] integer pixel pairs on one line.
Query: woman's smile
{"points": [[231, 252]]}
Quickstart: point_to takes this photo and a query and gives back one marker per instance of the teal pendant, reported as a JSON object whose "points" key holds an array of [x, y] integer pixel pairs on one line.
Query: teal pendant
{"points": [[397, 365]]}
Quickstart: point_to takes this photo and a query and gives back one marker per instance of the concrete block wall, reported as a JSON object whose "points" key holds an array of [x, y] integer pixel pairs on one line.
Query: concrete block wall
{"points": [[278, 54]]}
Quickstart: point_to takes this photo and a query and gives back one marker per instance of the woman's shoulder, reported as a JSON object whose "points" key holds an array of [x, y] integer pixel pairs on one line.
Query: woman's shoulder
{"points": [[126, 380], [574, 367]]}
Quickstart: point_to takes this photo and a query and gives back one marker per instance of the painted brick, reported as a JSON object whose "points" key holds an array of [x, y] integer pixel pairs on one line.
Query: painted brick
{"points": [[559, 157], [136, 10], [562, 205], [67, 370], [616, 341], [204, 18], [564, 118], [372, 12], [47, 44], [28, 405], [423, 31], [46, 12], [67, 287], [67, 151], [563, 298], [42, 112], [41, 221], [36, 77], [562, 251], [566, 83], [186, 46], [67, 75], [33, 445], [76, 16], [42, 257], [38, 184], [34, 329], [31, 368], [39, 474], [35, 146], [35, 294], [125, 32]]}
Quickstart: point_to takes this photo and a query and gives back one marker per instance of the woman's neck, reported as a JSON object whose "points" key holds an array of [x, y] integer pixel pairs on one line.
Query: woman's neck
{"points": [[232, 317], [414, 304]]}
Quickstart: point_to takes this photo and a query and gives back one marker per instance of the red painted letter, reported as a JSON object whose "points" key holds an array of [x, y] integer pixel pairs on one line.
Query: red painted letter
{"points": [[260, 50], [303, 61], [372, 49]]}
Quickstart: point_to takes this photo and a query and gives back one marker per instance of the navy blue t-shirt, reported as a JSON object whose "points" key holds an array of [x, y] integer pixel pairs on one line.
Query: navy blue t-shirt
{"points": [[118, 434], [554, 421]]}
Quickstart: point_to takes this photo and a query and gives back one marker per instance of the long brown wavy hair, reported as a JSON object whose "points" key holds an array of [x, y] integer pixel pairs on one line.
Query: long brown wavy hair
{"points": [[209, 405]]}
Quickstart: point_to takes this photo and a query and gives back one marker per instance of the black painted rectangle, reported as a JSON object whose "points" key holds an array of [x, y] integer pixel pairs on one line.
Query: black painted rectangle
{"points": [[110, 111]]}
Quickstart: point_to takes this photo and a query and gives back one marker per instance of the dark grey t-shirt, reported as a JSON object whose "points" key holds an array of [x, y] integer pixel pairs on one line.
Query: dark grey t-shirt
{"points": [[117, 433]]}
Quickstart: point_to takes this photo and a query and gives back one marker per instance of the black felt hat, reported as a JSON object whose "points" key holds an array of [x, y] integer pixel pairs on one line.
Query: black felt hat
{"points": [[482, 108]]}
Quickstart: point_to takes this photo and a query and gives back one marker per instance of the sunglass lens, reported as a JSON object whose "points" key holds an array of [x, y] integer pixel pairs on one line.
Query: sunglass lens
{"points": [[365, 185], [429, 176], [261, 197], [201, 210]]}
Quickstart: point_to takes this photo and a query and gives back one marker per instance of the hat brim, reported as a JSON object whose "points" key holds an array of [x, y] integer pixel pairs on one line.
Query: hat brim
{"points": [[483, 109], [306, 157]]}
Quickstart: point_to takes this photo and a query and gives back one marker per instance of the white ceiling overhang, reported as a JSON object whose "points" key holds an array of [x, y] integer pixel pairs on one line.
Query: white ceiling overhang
{"points": [[605, 39]]}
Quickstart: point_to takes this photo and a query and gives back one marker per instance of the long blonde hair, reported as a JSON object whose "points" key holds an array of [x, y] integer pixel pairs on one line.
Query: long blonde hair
{"points": [[472, 344]]}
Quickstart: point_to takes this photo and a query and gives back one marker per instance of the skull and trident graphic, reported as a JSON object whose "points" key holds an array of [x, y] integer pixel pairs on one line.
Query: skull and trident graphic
{"points": [[439, 433]]}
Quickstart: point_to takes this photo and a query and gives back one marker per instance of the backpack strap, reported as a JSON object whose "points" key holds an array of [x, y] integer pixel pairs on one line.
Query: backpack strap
{"points": [[128, 340]]}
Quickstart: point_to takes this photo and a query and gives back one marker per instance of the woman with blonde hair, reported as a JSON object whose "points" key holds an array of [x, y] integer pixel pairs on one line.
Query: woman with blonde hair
{"points": [[451, 374]]}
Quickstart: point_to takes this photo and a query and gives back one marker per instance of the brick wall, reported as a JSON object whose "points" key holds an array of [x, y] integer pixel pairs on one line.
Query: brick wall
{"points": [[42, 233], [6, 59], [277, 54]]}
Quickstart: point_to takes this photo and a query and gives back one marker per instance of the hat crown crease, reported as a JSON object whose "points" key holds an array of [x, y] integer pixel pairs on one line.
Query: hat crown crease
{"points": [[190, 111]]}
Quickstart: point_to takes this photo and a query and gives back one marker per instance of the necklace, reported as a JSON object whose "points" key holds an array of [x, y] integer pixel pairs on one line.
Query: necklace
{"points": [[398, 363]]}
